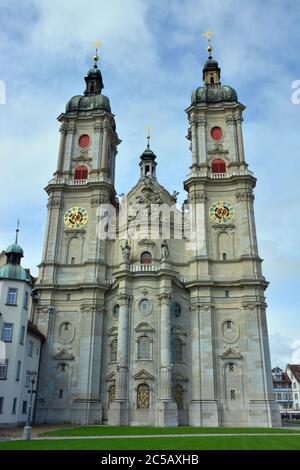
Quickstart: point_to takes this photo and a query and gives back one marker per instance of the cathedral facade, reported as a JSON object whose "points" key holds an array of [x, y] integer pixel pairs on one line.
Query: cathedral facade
{"points": [[146, 327]]}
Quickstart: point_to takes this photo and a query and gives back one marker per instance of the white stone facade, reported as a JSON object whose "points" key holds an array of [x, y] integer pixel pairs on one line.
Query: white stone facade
{"points": [[182, 340]]}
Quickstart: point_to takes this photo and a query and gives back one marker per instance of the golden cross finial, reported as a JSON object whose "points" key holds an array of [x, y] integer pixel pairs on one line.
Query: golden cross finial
{"points": [[148, 135], [208, 35], [97, 45]]}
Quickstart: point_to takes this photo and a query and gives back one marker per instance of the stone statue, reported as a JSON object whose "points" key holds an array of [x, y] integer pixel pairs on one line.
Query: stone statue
{"points": [[126, 250], [164, 250]]}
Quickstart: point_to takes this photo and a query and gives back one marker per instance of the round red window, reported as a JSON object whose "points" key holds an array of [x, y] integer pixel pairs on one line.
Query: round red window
{"points": [[84, 140], [216, 133]]}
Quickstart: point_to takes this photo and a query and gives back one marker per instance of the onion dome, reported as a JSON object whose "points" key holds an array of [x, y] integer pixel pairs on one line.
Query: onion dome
{"points": [[213, 91], [92, 99], [13, 269]]}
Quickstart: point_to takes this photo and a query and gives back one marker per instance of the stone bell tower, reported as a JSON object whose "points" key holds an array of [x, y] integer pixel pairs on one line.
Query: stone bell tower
{"points": [[231, 372], [72, 277]]}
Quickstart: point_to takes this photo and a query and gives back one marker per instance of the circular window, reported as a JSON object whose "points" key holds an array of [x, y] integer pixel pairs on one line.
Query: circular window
{"points": [[176, 310], [145, 307], [84, 140], [216, 133], [115, 312]]}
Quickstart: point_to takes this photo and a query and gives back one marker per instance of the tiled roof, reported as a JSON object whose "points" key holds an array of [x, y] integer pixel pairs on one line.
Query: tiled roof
{"points": [[295, 369]]}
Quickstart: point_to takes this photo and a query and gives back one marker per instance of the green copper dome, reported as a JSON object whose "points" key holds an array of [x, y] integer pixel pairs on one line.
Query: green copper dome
{"points": [[88, 103], [214, 94], [15, 272], [15, 248]]}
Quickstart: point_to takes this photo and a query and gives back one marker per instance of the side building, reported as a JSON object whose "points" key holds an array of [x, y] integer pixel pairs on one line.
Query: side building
{"points": [[282, 389], [20, 340]]}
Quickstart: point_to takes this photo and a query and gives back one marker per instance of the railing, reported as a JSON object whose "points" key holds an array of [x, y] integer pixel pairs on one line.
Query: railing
{"points": [[221, 175], [144, 267], [72, 182]]}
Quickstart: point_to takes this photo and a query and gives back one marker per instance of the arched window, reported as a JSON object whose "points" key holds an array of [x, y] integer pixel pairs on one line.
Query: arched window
{"points": [[81, 173], [146, 258], [144, 347], [143, 396], [218, 166], [112, 393], [178, 350], [178, 396], [113, 350]]}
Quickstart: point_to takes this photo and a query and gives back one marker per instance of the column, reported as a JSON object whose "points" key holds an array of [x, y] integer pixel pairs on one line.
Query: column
{"points": [[69, 147], [232, 139], [61, 153], [119, 409], [166, 408], [238, 120], [86, 403], [97, 146], [201, 141], [204, 407], [165, 348], [194, 142], [262, 407], [104, 151]]}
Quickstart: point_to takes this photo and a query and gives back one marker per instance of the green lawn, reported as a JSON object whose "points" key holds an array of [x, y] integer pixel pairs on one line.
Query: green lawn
{"points": [[126, 430], [271, 442]]}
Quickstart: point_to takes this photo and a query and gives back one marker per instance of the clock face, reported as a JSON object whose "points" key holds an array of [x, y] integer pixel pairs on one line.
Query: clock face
{"points": [[76, 218], [221, 212]]}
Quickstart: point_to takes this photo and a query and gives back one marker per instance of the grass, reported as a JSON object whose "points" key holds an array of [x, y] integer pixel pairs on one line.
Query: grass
{"points": [[271, 442], [131, 430]]}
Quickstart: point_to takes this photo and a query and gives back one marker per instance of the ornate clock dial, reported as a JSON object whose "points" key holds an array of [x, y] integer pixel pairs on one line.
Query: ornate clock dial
{"points": [[221, 212], [76, 218]]}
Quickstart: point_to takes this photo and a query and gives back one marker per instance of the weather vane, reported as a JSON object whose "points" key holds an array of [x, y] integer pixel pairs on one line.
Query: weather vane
{"points": [[97, 45], [148, 135], [208, 35]]}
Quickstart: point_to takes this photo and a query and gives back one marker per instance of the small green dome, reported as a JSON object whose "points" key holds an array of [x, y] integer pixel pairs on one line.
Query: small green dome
{"points": [[15, 272], [148, 154], [14, 249], [214, 94], [81, 103]]}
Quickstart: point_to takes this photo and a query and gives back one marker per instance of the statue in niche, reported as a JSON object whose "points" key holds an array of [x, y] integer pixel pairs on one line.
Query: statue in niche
{"points": [[164, 250], [126, 250]]}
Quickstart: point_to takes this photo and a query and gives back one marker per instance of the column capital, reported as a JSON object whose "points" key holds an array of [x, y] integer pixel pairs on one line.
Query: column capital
{"points": [[230, 120], [124, 299], [165, 298], [70, 129], [253, 305], [201, 121], [63, 128], [245, 195]]}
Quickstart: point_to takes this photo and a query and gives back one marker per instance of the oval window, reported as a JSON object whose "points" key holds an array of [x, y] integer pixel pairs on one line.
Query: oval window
{"points": [[216, 133], [84, 140]]}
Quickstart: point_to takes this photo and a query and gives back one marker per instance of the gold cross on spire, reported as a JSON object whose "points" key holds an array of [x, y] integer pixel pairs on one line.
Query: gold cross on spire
{"points": [[148, 135], [97, 45], [208, 35]]}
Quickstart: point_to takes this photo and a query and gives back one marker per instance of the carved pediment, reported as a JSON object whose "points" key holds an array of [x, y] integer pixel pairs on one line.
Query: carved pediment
{"points": [[143, 375], [179, 377], [231, 354], [111, 376], [146, 241], [63, 355], [144, 327]]}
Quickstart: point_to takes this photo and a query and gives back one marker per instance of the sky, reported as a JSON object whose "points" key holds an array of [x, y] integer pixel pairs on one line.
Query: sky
{"points": [[151, 61]]}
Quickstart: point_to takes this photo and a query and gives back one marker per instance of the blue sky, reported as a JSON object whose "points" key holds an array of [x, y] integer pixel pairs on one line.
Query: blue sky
{"points": [[152, 58]]}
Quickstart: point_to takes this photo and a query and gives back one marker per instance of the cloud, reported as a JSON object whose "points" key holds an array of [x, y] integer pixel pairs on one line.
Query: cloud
{"points": [[151, 60], [284, 350]]}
